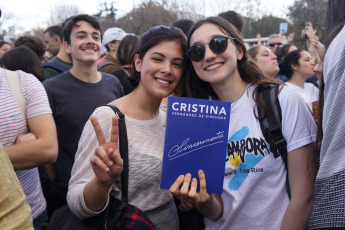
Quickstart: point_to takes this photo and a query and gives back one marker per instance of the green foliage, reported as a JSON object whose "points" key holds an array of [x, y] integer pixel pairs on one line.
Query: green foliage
{"points": [[314, 11], [265, 26]]}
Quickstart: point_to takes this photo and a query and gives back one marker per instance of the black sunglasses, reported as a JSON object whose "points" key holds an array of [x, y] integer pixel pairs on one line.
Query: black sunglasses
{"points": [[218, 45], [273, 44]]}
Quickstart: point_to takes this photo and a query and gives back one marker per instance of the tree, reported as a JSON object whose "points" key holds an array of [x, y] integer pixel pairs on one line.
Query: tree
{"points": [[266, 26], [59, 13], [149, 13], [303, 11]]}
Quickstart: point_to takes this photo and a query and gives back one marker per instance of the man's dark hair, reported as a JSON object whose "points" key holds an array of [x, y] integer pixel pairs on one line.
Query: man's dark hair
{"points": [[71, 22], [234, 18], [184, 25], [54, 31], [35, 43]]}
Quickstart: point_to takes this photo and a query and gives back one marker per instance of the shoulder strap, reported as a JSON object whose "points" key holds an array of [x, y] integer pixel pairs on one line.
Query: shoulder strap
{"points": [[55, 66], [271, 124], [14, 82], [123, 151], [102, 64]]}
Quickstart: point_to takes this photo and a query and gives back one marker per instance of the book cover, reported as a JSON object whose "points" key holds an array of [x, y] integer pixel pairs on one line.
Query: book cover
{"points": [[196, 138]]}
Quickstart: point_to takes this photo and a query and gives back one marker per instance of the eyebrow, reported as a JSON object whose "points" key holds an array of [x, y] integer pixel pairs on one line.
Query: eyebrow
{"points": [[213, 36], [84, 32], [162, 55]]}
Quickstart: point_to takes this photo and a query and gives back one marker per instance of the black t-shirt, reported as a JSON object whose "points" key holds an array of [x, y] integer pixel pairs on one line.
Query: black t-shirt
{"points": [[72, 102]]}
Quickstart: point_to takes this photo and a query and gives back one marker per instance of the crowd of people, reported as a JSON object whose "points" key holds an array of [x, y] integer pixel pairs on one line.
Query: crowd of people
{"points": [[59, 142]]}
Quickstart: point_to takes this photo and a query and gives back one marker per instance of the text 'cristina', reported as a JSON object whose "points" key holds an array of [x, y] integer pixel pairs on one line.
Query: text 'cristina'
{"points": [[197, 108]]}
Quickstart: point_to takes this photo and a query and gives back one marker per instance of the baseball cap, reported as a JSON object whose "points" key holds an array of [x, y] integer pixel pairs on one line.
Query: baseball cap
{"points": [[112, 34]]}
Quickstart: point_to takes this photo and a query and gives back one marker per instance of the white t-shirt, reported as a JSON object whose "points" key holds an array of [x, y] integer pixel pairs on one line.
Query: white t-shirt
{"points": [[254, 191], [309, 93]]}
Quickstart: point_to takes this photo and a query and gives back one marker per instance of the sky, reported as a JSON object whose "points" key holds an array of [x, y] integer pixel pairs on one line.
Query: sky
{"points": [[28, 14]]}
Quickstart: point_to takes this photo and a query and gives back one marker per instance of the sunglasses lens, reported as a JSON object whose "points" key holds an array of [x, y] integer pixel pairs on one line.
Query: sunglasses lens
{"points": [[219, 44], [196, 53]]}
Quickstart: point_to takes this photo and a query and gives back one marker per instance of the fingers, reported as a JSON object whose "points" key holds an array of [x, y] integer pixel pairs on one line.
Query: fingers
{"points": [[98, 130], [175, 187], [101, 159], [203, 196], [184, 191], [186, 206], [114, 132]]}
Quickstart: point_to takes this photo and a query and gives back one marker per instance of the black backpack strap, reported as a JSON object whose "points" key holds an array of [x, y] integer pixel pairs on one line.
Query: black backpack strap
{"points": [[55, 66], [102, 64], [271, 124], [123, 151]]}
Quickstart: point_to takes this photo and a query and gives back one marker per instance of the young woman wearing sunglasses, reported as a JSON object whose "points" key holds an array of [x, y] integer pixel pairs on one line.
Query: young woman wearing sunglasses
{"points": [[255, 190]]}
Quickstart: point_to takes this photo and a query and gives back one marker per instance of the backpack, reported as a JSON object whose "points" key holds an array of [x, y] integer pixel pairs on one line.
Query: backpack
{"points": [[55, 66], [102, 64], [271, 125]]}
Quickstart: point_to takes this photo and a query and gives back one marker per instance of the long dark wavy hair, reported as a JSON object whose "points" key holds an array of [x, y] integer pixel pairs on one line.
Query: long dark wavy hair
{"points": [[193, 86]]}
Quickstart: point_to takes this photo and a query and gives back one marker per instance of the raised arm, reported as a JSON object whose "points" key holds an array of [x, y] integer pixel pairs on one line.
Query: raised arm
{"points": [[37, 151], [106, 163]]}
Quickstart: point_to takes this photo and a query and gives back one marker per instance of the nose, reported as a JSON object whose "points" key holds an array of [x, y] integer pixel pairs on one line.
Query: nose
{"points": [[166, 69], [209, 54], [273, 56]]}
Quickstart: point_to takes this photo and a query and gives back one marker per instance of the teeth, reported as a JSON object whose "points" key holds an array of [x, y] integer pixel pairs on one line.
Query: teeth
{"points": [[162, 81], [213, 66]]}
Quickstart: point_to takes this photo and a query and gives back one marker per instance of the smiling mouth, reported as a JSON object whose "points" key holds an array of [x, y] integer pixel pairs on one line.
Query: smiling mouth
{"points": [[214, 66], [163, 81]]}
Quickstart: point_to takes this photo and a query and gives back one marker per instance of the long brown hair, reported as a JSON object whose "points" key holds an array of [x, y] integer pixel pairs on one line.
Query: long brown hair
{"points": [[194, 87]]}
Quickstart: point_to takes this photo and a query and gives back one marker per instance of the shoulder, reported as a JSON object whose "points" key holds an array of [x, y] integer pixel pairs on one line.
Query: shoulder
{"points": [[110, 78]]}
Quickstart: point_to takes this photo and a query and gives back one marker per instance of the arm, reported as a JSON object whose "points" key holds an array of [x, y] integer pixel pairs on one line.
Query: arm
{"points": [[41, 150], [302, 174]]}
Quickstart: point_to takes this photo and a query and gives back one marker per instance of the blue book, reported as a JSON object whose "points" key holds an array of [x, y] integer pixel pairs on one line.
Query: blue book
{"points": [[196, 138]]}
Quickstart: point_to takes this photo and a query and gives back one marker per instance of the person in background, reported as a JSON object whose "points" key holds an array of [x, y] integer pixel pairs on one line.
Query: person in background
{"points": [[24, 59], [15, 213], [74, 95], [265, 59], [274, 42], [157, 70], [29, 139], [281, 53], [218, 68], [297, 67], [52, 38], [125, 54], [110, 42], [328, 209], [62, 61], [183, 24], [234, 18], [4, 47], [35, 43]]}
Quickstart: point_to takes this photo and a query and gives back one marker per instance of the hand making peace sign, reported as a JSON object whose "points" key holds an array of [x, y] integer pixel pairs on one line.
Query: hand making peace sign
{"points": [[106, 162]]}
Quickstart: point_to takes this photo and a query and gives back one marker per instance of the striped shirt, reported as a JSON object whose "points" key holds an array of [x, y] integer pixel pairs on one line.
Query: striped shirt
{"points": [[13, 123]]}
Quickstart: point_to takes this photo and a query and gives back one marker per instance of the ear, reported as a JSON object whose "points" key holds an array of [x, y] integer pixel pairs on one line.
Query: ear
{"points": [[57, 39], [239, 53], [111, 46], [294, 67], [67, 47], [137, 62]]}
